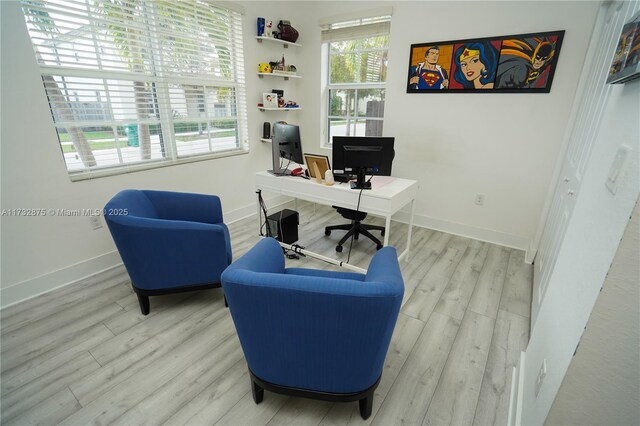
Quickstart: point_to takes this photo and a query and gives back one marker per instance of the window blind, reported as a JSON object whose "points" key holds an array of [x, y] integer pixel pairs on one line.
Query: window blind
{"points": [[135, 83], [352, 26]]}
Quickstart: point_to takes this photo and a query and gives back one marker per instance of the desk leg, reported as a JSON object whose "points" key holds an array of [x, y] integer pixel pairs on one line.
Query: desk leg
{"points": [[405, 253], [387, 230], [413, 210]]}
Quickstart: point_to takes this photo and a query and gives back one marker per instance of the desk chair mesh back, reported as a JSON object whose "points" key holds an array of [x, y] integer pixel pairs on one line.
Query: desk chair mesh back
{"points": [[355, 227]]}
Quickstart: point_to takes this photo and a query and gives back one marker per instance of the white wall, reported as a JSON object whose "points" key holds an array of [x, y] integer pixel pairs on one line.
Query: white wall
{"points": [[45, 252], [602, 384], [496, 150], [456, 145], [592, 237]]}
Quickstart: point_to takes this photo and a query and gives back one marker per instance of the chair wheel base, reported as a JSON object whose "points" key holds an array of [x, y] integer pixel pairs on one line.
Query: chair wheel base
{"points": [[379, 246], [327, 232], [339, 249]]}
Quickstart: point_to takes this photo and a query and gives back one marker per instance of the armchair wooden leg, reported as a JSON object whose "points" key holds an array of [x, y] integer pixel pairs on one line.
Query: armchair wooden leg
{"points": [[366, 406], [144, 304], [257, 392]]}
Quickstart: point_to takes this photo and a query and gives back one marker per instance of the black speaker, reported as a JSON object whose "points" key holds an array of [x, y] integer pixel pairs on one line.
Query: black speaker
{"points": [[283, 226], [266, 130]]}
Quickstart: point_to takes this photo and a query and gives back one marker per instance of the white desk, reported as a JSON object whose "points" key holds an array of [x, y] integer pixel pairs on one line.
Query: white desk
{"points": [[387, 196]]}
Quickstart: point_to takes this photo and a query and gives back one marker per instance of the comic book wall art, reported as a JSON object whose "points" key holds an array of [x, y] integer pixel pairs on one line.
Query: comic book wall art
{"points": [[626, 60], [507, 64]]}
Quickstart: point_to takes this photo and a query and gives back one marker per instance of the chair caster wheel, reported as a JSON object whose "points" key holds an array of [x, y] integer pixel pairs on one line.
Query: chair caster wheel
{"points": [[327, 232], [355, 237], [339, 249], [379, 246], [382, 232]]}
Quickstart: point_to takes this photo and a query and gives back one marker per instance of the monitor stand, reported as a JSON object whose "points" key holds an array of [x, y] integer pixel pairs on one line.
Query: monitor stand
{"points": [[360, 182], [275, 161], [280, 172]]}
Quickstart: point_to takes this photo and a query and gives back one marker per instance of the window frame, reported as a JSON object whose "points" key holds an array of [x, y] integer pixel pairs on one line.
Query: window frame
{"points": [[160, 80], [326, 86]]}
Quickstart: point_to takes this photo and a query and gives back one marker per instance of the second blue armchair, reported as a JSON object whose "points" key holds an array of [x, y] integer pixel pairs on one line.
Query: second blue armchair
{"points": [[314, 333], [169, 241]]}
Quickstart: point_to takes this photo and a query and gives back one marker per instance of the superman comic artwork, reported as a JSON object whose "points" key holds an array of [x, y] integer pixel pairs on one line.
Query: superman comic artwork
{"points": [[431, 69], [501, 64]]}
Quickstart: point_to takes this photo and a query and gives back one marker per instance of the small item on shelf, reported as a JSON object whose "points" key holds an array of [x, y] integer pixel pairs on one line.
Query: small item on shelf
{"points": [[268, 29], [264, 68], [280, 102], [291, 104], [286, 32], [261, 27], [269, 100]]}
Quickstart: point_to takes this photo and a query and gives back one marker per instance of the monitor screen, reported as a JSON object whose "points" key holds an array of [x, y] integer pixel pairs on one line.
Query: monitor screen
{"points": [[286, 140], [362, 155]]}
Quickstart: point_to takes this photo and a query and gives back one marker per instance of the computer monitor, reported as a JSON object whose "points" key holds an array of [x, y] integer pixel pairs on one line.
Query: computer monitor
{"points": [[285, 144], [362, 155]]}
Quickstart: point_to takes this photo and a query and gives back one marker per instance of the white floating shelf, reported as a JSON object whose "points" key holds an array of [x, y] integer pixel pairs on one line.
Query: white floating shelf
{"points": [[278, 109], [265, 140], [277, 40], [285, 76]]}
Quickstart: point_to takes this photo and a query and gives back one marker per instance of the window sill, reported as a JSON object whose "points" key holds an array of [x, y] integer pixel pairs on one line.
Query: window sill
{"points": [[149, 165]]}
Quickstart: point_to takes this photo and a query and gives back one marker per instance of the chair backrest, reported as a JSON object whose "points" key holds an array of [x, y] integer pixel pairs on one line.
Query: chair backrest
{"points": [[327, 331], [130, 202]]}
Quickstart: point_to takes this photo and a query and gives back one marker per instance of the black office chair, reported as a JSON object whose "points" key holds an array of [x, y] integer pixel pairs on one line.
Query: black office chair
{"points": [[355, 228]]}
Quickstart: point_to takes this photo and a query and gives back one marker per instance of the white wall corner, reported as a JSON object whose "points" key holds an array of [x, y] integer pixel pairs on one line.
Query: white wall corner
{"points": [[531, 252]]}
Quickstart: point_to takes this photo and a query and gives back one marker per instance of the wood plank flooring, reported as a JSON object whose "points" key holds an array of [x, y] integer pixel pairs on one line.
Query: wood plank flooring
{"points": [[84, 354]]}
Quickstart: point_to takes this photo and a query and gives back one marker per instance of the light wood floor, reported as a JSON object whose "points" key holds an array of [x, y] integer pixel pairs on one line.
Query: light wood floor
{"points": [[84, 354]]}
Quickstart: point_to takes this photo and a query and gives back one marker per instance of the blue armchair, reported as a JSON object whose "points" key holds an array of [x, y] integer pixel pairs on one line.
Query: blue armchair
{"points": [[169, 241], [313, 333]]}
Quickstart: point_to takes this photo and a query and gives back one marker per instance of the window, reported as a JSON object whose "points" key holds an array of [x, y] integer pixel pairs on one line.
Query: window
{"points": [[135, 84], [354, 54]]}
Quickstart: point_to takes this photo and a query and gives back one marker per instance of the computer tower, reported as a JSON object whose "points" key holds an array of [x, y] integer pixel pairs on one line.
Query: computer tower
{"points": [[283, 226]]}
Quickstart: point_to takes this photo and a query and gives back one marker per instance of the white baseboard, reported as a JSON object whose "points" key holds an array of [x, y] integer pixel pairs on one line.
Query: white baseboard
{"points": [[487, 235], [70, 274], [33, 287]]}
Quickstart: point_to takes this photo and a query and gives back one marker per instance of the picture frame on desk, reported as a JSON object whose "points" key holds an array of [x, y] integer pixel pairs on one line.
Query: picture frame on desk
{"points": [[321, 161]]}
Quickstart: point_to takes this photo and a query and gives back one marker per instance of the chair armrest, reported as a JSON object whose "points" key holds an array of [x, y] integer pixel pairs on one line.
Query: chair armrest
{"points": [[186, 206], [265, 256], [166, 253], [384, 267]]}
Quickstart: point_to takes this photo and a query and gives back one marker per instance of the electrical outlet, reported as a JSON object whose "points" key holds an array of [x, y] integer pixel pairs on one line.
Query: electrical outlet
{"points": [[480, 199], [541, 375], [95, 222]]}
